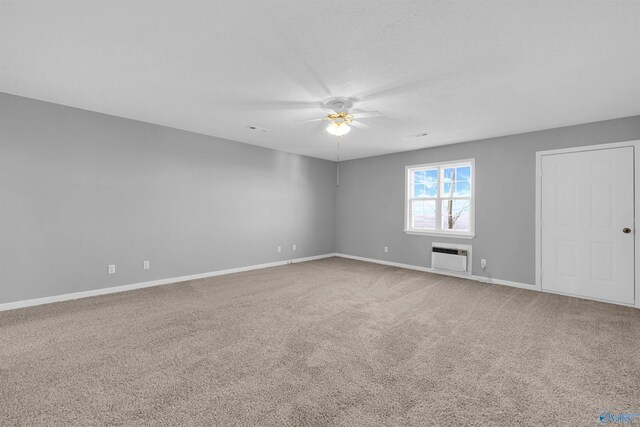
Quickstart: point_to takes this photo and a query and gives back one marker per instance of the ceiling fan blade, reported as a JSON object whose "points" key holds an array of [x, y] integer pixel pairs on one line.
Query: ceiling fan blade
{"points": [[320, 127], [360, 125], [310, 120], [286, 105], [366, 114]]}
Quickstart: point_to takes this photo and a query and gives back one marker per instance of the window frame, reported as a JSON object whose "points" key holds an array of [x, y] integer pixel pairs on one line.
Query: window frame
{"points": [[470, 234]]}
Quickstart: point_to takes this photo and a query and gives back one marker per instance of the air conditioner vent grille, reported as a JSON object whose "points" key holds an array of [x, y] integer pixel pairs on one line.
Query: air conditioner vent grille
{"points": [[451, 257]]}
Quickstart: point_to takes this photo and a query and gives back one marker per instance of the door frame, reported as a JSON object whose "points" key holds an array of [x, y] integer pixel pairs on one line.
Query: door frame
{"points": [[635, 144]]}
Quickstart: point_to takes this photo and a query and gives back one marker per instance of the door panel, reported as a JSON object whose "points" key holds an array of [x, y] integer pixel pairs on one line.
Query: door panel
{"points": [[587, 199]]}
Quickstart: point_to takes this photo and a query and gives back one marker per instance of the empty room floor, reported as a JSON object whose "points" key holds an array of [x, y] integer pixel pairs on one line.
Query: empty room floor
{"points": [[328, 342]]}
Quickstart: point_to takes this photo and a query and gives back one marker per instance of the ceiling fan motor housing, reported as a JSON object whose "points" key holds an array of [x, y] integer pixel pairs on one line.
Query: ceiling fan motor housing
{"points": [[338, 104]]}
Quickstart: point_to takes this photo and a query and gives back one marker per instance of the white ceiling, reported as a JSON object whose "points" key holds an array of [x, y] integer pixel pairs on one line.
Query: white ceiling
{"points": [[460, 70]]}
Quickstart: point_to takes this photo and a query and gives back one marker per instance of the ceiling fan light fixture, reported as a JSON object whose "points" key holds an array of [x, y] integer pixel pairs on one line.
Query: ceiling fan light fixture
{"points": [[338, 128]]}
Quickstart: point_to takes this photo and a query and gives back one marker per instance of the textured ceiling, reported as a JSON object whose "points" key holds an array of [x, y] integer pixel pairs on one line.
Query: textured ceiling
{"points": [[459, 70]]}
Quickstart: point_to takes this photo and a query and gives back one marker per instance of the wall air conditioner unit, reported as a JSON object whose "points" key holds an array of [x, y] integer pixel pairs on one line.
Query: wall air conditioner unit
{"points": [[450, 257]]}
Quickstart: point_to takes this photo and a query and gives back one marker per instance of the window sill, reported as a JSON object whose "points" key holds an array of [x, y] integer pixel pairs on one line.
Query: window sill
{"points": [[440, 234]]}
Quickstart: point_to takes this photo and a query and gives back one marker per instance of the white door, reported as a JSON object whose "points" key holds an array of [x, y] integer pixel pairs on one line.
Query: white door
{"points": [[588, 224]]}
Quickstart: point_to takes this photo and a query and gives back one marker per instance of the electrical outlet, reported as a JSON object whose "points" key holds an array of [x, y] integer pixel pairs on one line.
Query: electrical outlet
{"points": [[112, 269], [145, 265], [483, 263], [279, 248], [386, 248], [294, 248]]}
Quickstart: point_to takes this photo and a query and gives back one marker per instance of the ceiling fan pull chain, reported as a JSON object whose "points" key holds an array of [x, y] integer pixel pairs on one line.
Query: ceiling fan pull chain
{"points": [[338, 138]]}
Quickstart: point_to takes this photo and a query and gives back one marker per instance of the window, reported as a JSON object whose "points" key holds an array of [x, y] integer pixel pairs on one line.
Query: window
{"points": [[440, 199]]}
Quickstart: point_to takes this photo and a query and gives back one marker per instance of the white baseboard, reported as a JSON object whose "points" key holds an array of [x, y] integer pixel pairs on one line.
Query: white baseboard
{"points": [[160, 282], [482, 279], [445, 273]]}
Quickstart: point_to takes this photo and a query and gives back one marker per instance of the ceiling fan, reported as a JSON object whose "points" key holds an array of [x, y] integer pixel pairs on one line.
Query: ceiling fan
{"points": [[341, 120]]}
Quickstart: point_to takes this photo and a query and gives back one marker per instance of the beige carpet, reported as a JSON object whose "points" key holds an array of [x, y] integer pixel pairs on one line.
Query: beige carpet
{"points": [[329, 342]]}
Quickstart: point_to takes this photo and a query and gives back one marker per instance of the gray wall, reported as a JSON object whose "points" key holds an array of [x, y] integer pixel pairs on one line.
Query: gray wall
{"points": [[81, 190], [370, 211]]}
